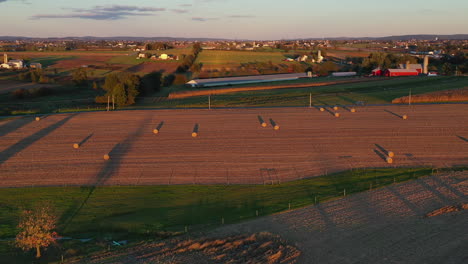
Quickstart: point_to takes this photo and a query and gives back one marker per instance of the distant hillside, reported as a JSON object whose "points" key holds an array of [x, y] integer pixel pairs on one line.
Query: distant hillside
{"points": [[117, 38], [127, 38], [405, 37]]}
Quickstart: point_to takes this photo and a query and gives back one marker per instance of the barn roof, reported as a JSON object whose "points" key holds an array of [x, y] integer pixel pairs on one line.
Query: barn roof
{"points": [[256, 78], [402, 70]]}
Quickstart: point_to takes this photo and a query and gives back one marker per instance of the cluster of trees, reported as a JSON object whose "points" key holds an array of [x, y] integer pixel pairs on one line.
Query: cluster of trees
{"points": [[386, 61], [189, 60], [80, 77], [35, 76], [123, 88], [158, 46], [32, 93]]}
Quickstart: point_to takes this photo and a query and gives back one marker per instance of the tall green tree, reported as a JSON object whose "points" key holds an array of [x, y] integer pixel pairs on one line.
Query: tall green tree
{"points": [[123, 87], [80, 76]]}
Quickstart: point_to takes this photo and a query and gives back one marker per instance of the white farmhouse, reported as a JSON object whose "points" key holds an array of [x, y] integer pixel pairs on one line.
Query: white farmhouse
{"points": [[12, 64]]}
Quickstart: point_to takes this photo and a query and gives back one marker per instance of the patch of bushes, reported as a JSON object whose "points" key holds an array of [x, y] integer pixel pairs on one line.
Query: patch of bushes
{"points": [[32, 93]]}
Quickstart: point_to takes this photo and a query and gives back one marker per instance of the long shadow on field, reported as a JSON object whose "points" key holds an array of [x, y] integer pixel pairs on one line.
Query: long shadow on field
{"points": [[14, 125], [454, 190], [385, 151], [326, 218], [28, 141], [462, 138], [329, 111], [405, 201], [395, 114], [86, 139], [381, 155], [445, 200], [109, 168]]}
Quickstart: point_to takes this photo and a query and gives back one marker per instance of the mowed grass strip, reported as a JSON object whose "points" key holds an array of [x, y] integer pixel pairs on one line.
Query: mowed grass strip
{"points": [[137, 210]]}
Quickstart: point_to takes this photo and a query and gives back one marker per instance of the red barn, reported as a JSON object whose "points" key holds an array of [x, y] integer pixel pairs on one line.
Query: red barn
{"points": [[377, 72], [401, 72]]}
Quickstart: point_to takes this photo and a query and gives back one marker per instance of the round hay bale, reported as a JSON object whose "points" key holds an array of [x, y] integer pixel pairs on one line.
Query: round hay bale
{"points": [[277, 127], [389, 160], [353, 110], [194, 134], [264, 124], [335, 108], [76, 145], [155, 131], [337, 114], [391, 154], [405, 117], [106, 157], [38, 118], [322, 109]]}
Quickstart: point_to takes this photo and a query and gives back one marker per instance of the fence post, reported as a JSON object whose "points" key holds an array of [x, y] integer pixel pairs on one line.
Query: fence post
{"points": [[310, 100], [209, 102]]}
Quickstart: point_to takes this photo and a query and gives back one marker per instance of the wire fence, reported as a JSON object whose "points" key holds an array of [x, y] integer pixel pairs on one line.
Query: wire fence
{"points": [[195, 102]]}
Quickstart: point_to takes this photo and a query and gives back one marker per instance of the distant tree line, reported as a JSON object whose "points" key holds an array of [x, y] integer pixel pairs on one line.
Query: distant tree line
{"points": [[189, 60]]}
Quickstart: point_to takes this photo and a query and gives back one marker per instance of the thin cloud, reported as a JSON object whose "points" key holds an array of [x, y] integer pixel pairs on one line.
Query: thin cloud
{"points": [[185, 5], [241, 16], [203, 19], [114, 12], [180, 11]]}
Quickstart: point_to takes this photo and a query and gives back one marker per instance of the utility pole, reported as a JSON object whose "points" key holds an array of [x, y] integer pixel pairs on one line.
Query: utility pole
{"points": [[409, 99], [310, 100], [209, 102]]}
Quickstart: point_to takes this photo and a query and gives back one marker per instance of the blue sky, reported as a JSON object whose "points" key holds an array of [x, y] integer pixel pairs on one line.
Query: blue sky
{"points": [[234, 19]]}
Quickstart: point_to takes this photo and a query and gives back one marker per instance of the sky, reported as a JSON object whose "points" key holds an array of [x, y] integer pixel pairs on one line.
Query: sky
{"points": [[232, 19]]}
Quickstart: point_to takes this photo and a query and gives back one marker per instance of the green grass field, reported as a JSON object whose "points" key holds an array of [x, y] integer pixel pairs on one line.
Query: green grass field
{"points": [[380, 91], [51, 60], [218, 57], [140, 212]]}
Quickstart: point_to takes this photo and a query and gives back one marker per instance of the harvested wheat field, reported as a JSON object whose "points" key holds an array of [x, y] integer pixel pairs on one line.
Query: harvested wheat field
{"points": [[387, 225], [231, 146]]}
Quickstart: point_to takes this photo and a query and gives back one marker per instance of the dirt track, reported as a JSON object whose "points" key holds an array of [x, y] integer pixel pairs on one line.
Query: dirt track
{"points": [[231, 146]]}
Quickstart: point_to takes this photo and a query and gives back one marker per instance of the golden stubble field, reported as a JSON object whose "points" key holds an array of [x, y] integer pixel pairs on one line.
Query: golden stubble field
{"points": [[231, 147]]}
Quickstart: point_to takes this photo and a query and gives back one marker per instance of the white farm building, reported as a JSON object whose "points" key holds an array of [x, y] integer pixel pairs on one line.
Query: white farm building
{"points": [[245, 80]]}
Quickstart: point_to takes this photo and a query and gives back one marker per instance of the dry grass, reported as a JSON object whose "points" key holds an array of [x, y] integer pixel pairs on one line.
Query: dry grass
{"points": [[447, 209], [248, 249], [457, 95]]}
